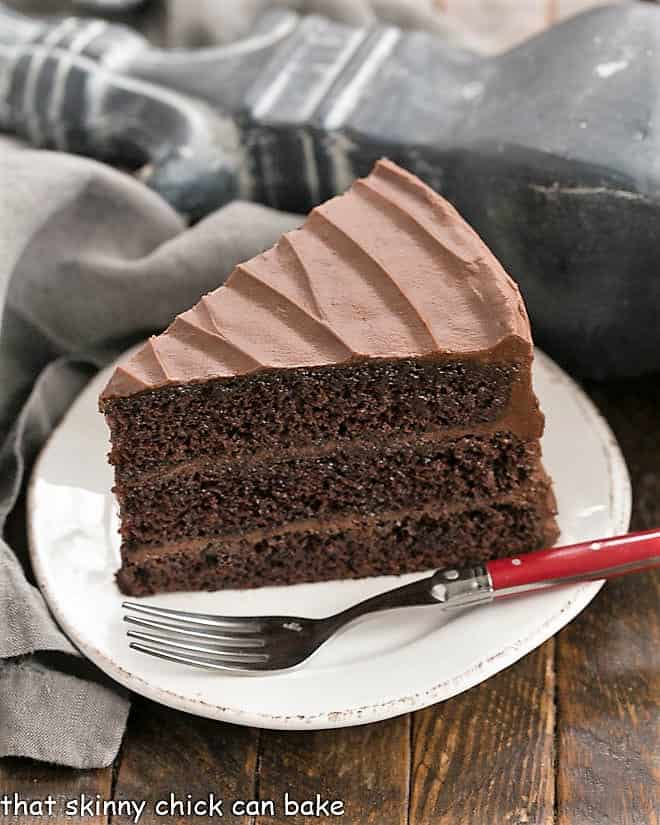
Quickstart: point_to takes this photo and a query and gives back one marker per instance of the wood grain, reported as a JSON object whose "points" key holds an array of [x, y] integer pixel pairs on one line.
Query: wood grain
{"points": [[366, 767], [609, 658], [487, 756], [167, 752], [36, 780], [609, 708]]}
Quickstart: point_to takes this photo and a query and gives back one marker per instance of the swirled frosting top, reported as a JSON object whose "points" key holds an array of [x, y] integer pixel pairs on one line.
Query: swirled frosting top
{"points": [[387, 270]]}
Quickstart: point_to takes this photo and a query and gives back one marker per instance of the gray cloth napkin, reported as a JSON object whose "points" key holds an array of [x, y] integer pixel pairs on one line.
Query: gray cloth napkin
{"points": [[90, 261]]}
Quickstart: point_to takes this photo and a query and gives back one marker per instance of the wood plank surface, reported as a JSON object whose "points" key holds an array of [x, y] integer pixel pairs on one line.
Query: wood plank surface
{"points": [[167, 752], [487, 755], [609, 657], [366, 767], [35, 781], [608, 702]]}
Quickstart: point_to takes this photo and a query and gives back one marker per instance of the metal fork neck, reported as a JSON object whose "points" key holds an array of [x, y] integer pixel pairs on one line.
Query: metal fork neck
{"points": [[452, 588], [462, 587]]}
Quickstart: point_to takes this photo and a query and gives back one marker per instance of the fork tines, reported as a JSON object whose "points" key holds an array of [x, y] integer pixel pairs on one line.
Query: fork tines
{"points": [[200, 640]]}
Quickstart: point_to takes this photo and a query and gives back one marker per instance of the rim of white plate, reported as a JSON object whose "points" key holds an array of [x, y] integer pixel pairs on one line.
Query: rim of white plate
{"points": [[620, 506]]}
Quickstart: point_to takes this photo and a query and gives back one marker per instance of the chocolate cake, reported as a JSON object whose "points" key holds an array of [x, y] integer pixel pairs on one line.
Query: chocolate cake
{"points": [[355, 401]]}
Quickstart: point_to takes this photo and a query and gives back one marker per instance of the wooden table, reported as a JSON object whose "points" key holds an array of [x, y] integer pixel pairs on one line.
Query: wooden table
{"points": [[568, 735]]}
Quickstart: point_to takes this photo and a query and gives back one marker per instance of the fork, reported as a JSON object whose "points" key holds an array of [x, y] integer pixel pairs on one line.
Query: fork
{"points": [[270, 643]]}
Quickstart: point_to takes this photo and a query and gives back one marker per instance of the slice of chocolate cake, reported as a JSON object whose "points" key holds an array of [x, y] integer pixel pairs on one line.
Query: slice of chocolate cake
{"points": [[355, 401]]}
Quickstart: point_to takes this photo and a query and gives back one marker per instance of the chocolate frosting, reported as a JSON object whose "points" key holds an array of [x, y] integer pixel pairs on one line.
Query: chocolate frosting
{"points": [[387, 270]]}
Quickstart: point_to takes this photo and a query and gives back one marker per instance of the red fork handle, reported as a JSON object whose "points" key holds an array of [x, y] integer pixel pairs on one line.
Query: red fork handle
{"points": [[586, 561]]}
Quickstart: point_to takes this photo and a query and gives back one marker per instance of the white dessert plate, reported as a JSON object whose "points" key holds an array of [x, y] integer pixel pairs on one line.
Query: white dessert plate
{"points": [[387, 665]]}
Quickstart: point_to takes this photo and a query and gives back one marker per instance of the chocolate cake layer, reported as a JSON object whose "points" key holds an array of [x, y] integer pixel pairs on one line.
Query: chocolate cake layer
{"points": [[280, 410], [379, 546], [214, 499]]}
